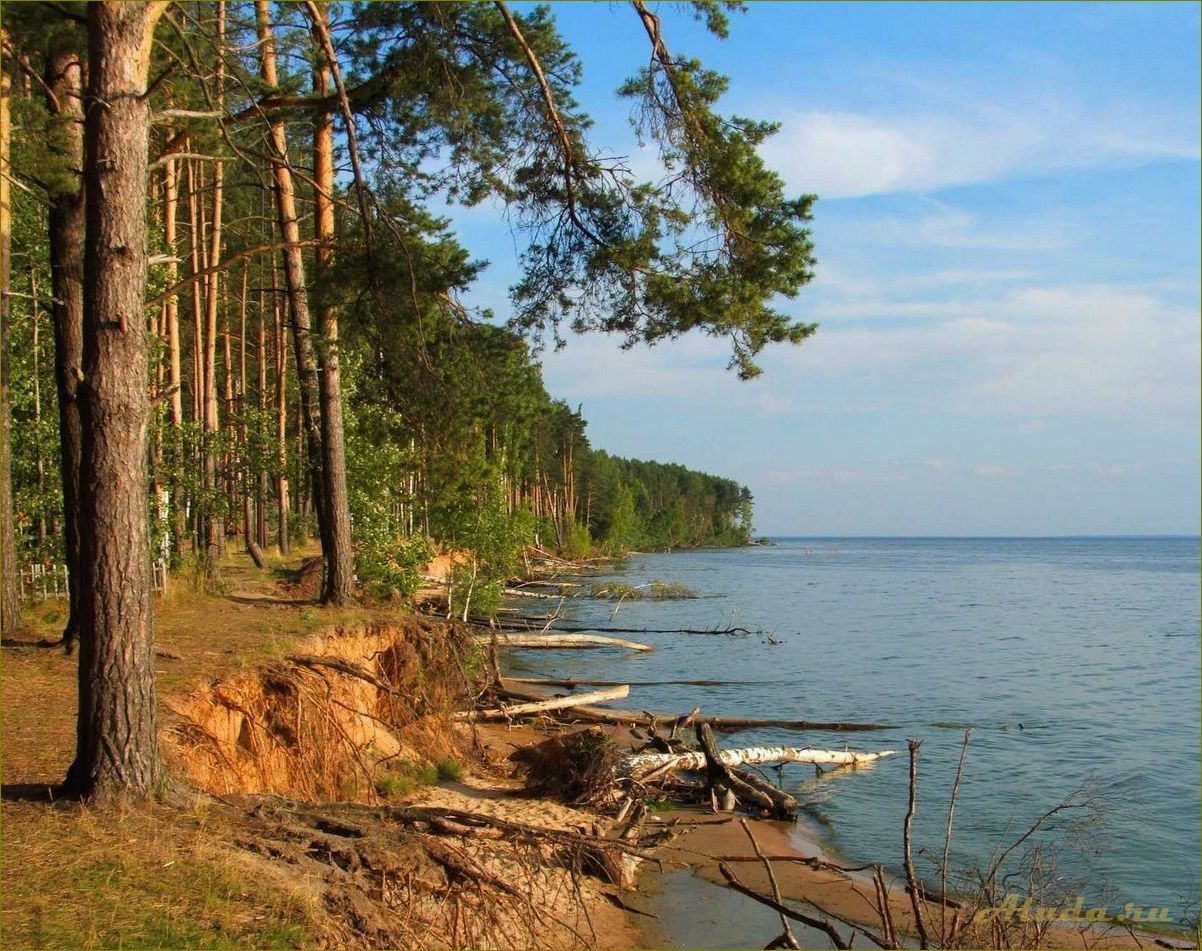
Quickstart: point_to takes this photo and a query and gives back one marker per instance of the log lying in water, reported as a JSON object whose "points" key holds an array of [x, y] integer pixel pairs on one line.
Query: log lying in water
{"points": [[557, 682], [554, 703], [560, 641], [518, 593], [520, 691], [642, 763]]}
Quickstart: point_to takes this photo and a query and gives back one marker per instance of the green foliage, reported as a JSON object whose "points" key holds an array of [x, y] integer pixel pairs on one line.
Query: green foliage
{"points": [[494, 538], [449, 770], [393, 786], [654, 591], [450, 432]]}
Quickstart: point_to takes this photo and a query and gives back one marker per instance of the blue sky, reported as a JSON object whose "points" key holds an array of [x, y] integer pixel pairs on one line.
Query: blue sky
{"points": [[1008, 277]]}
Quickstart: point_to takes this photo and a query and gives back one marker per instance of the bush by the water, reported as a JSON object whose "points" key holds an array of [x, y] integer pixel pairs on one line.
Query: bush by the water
{"points": [[654, 591]]}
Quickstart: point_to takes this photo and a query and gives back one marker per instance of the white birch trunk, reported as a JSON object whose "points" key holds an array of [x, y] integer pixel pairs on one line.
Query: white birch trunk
{"points": [[555, 703], [642, 763], [560, 641]]}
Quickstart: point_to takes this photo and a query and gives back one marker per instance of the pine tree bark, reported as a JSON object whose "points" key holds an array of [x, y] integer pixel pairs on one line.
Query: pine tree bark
{"points": [[117, 752], [294, 281], [174, 374], [281, 423], [64, 81], [214, 524], [10, 593], [261, 367], [339, 586]]}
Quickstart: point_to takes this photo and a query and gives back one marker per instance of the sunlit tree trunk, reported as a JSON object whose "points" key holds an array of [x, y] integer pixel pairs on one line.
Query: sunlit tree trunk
{"points": [[339, 585], [10, 595], [281, 410], [171, 332], [117, 753], [261, 394], [214, 527], [294, 278]]}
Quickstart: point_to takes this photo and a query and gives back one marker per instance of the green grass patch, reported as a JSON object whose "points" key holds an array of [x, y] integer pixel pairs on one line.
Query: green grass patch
{"points": [[91, 879]]}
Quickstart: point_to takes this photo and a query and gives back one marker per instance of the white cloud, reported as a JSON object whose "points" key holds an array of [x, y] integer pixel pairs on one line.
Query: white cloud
{"points": [[848, 154], [1031, 354], [1039, 352], [947, 227]]}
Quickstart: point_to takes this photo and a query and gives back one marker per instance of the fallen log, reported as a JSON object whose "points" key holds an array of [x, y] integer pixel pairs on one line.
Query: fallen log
{"points": [[514, 688], [606, 629], [541, 706], [515, 593], [728, 783], [556, 682], [560, 641], [642, 763]]}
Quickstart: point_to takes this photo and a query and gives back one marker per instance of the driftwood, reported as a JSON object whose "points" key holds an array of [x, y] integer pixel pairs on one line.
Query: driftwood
{"points": [[560, 641], [541, 706], [516, 593], [642, 763], [820, 923], [787, 938], [720, 631], [746, 787], [517, 690], [607, 629], [556, 682]]}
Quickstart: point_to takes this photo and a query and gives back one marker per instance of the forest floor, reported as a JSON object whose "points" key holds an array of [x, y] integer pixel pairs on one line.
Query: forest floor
{"points": [[235, 870]]}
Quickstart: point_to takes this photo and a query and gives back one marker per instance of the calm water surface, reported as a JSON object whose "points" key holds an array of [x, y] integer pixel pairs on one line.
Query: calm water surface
{"points": [[1092, 645]]}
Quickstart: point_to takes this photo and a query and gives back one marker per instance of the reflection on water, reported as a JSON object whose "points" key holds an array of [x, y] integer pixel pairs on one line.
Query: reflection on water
{"points": [[1072, 659]]}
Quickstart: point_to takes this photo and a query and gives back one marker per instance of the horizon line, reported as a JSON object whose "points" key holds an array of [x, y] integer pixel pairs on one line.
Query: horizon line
{"points": [[998, 536]]}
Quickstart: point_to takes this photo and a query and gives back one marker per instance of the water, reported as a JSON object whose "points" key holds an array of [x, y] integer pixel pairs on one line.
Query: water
{"points": [[1092, 645]]}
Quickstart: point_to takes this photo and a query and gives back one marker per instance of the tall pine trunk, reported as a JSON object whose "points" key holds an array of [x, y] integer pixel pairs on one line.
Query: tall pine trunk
{"points": [[174, 374], [64, 81], [10, 594], [117, 753], [214, 525], [281, 426], [294, 282], [339, 587]]}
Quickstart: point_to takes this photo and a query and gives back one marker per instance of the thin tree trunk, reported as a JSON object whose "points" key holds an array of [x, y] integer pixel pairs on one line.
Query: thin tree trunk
{"points": [[214, 527], [10, 596], [339, 586], [117, 753], [40, 463], [174, 376], [261, 367], [294, 279], [281, 408]]}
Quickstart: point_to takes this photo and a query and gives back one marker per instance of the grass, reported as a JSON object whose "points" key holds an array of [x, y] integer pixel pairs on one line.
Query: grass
{"points": [[409, 776], [77, 877], [83, 878]]}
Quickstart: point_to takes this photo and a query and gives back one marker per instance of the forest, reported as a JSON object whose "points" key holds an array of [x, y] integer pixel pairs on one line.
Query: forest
{"points": [[233, 317]]}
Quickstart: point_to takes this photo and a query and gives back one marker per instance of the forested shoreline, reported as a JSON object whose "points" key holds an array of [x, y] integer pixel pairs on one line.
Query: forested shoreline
{"points": [[233, 308]]}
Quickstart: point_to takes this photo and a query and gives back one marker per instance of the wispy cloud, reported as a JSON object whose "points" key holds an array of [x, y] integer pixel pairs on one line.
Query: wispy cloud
{"points": [[1032, 354], [849, 154], [1045, 351]]}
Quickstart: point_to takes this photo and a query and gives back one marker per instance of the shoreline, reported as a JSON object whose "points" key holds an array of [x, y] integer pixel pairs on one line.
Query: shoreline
{"points": [[811, 840], [337, 895]]}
